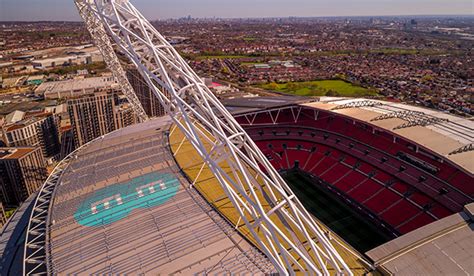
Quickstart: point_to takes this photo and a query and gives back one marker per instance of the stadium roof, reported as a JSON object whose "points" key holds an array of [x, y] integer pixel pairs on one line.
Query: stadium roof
{"points": [[439, 132], [123, 206], [244, 105], [445, 247], [12, 237]]}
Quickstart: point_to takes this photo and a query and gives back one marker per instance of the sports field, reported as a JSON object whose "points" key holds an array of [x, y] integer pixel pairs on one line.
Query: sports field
{"points": [[338, 88], [335, 214]]}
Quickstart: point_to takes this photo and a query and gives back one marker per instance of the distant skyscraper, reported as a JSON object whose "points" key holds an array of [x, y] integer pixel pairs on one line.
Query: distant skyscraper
{"points": [[22, 172], [150, 103], [37, 131]]}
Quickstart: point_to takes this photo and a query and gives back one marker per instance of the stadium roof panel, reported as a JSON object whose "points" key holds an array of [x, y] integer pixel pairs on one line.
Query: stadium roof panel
{"points": [[123, 207], [12, 237], [244, 105], [441, 138]]}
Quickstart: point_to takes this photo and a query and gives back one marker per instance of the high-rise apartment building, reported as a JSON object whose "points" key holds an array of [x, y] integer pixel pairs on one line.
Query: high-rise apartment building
{"points": [[124, 116], [98, 114], [22, 172], [39, 130], [150, 103], [91, 116]]}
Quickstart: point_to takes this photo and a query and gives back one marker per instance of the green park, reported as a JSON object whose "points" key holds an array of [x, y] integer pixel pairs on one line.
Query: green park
{"points": [[338, 88]]}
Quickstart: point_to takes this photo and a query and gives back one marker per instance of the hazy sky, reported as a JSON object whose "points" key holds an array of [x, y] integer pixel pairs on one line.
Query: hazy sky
{"points": [[31, 10]]}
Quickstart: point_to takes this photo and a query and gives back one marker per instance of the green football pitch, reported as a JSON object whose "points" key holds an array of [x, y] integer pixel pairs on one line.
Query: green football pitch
{"points": [[335, 214]]}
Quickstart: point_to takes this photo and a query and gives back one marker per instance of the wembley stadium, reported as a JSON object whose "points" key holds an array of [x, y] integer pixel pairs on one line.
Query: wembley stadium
{"points": [[389, 189], [266, 185]]}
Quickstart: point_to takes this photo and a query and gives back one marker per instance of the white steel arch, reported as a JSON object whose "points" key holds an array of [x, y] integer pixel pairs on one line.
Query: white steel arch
{"points": [[282, 228]]}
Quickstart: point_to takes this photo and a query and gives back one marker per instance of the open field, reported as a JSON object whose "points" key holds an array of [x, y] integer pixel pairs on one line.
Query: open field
{"points": [[320, 88]]}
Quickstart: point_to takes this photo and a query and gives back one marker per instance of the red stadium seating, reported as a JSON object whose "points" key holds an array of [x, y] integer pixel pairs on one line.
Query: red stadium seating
{"points": [[376, 153], [383, 177], [400, 212], [323, 166], [440, 212], [366, 168], [349, 160], [463, 182], [419, 220], [364, 190], [381, 200], [400, 187], [336, 173], [420, 199]]}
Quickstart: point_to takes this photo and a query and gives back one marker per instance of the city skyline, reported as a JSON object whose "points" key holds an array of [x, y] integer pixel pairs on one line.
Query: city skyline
{"points": [[64, 10]]}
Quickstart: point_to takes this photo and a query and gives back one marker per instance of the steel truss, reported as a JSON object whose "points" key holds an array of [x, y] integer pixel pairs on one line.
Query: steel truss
{"points": [[99, 35], [357, 104], [421, 122], [282, 228], [413, 118], [398, 114], [466, 148], [273, 113], [37, 233]]}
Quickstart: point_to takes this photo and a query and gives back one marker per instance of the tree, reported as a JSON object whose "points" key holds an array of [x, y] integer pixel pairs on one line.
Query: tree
{"points": [[272, 86], [292, 86]]}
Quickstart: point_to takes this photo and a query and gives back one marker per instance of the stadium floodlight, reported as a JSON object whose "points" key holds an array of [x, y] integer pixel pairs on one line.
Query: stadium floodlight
{"points": [[281, 227]]}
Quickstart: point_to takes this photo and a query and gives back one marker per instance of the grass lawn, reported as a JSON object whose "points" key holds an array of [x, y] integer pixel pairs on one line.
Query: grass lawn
{"points": [[320, 88], [250, 63]]}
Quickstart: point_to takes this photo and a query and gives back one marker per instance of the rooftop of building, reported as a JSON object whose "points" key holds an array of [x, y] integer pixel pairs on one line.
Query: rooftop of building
{"points": [[15, 116], [36, 117], [75, 85], [58, 59], [15, 153]]}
